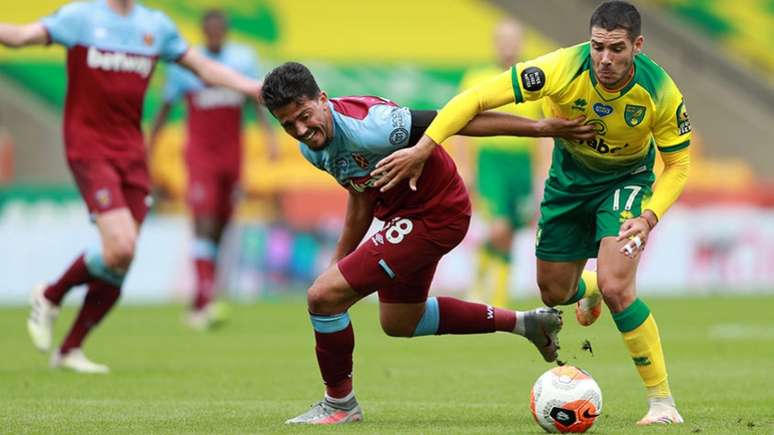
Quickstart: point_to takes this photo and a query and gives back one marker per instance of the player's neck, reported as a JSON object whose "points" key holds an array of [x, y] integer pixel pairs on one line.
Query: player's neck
{"points": [[121, 7], [622, 84]]}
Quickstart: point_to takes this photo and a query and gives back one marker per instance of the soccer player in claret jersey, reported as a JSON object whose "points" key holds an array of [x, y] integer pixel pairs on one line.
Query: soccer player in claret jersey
{"points": [[598, 200], [346, 137], [112, 48], [213, 154]]}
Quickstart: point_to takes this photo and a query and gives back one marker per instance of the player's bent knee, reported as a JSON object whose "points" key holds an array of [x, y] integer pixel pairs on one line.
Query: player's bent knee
{"points": [[321, 300], [119, 255], [617, 293], [501, 237]]}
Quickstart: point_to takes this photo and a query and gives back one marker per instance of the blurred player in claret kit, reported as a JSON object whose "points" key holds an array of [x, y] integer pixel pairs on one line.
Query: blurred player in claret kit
{"points": [[346, 137], [213, 153], [112, 49], [598, 199]]}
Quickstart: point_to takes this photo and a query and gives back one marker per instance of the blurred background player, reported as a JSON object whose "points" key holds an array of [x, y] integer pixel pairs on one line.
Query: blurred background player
{"points": [[213, 153], [505, 167], [598, 201], [112, 47], [346, 137]]}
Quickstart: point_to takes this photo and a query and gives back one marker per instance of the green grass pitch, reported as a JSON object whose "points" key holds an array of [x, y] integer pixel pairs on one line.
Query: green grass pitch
{"points": [[259, 369]]}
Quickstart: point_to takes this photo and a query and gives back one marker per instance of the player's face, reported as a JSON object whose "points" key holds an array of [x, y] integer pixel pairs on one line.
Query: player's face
{"points": [[215, 30], [308, 121], [612, 55]]}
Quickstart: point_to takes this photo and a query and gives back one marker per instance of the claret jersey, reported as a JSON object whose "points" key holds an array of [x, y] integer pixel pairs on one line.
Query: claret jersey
{"points": [[367, 129], [110, 59], [214, 113]]}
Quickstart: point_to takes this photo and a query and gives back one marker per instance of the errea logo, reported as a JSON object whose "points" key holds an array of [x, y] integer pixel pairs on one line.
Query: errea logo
{"points": [[119, 62]]}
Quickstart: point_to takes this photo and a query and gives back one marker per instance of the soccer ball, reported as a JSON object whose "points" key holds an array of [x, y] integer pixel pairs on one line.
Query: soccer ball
{"points": [[565, 399]]}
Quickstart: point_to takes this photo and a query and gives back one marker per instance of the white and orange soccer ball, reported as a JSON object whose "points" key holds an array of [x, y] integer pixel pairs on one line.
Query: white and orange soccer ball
{"points": [[565, 399]]}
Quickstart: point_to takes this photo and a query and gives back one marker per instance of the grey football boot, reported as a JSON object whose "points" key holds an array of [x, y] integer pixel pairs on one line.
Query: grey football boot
{"points": [[326, 412], [541, 327]]}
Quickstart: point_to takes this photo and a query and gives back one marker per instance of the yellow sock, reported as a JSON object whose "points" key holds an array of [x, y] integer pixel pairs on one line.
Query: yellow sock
{"points": [[640, 334], [480, 286], [587, 286], [500, 270], [590, 279]]}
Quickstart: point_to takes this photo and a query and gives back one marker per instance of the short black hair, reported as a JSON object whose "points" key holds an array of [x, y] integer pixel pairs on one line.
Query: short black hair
{"points": [[617, 14], [288, 83], [214, 14]]}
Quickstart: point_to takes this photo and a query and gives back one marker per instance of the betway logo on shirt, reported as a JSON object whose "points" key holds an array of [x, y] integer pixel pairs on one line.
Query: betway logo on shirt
{"points": [[211, 98], [119, 62]]}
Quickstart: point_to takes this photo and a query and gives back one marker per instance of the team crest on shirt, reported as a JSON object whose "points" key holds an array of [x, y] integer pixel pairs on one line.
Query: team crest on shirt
{"points": [[360, 159], [148, 39], [398, 136], [633, 114], [103, 197]]}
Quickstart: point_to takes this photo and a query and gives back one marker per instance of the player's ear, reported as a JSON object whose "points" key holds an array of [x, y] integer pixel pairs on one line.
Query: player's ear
{"points": [[638, 43], [323, 97]]}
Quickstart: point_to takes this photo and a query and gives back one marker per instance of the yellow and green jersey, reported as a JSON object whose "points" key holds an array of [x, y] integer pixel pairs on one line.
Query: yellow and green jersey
{"points": [[648, 109], [530, 109], [647, 113]]}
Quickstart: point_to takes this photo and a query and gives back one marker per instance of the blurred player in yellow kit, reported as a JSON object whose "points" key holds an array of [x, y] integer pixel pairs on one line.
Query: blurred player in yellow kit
{"points": [[598, 200], [503, 175]]}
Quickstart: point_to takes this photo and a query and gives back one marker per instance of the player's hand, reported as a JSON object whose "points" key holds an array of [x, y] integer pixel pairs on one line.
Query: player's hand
{"points": [[572, 129], [636, 232], [401, 164]]}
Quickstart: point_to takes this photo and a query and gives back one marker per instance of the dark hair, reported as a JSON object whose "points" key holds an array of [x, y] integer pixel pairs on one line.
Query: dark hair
{"points": [[617, 14], [288, 83], [214, 14]]}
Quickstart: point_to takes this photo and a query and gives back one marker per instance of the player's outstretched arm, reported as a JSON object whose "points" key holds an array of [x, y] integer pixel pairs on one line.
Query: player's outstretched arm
{"points": [[503, 124], [216, 74], [15, 36], [360, 213], [409, 162]]}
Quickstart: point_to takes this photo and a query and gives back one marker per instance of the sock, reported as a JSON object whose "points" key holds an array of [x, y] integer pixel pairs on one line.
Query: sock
{"points": [[205, 283], [589, 278], [205, 253], [445, 315], [345, 402], [587, 287], [483, 285], [100, 298], [640, 334], [335, 342], [500, 269], [519, 328], [76, 274]]}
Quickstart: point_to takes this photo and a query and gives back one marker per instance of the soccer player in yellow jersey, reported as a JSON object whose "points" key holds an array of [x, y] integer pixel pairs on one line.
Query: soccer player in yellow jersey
{"points": [[598, 200], [503, 175]]}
